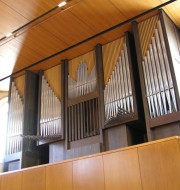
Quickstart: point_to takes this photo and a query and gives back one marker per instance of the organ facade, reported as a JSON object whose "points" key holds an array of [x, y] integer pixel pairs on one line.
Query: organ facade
{"points": [[119, 94]]}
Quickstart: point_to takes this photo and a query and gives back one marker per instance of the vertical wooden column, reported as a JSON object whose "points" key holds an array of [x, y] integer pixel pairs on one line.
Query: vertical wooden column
{"points": [[64, 84], [135, 76], [30, 155], [139, 58], [100, 88]]}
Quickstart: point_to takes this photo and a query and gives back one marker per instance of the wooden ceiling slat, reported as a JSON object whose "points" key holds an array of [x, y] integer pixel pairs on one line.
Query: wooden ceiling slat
{"points": [[132, 8], [31, 9], [99, 14], [10, 19], [40, 40], [68, 28]]}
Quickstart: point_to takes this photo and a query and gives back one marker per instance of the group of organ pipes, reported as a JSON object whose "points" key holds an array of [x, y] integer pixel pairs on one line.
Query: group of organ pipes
{"points": [[118, 95], [15, 122], [158, 80], [87, 101], [50, 119]]}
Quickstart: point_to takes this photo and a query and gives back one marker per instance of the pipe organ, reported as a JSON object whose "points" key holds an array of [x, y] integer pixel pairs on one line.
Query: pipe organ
{"points": [[105, 99], [161, 98], [15, 118]]}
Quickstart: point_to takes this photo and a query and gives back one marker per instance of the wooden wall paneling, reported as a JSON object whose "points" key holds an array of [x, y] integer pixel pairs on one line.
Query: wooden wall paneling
{"points": [[88, 174], [121, 170], [11, 181], [34, 178], [159, 165], [59, 176]]}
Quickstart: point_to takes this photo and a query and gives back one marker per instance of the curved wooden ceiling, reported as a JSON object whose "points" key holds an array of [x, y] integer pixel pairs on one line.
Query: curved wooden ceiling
{"points": [[57, 31]]}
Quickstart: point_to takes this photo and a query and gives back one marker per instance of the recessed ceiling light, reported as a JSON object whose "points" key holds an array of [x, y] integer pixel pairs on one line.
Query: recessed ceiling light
{"points": [[62, 4], [8, 35]]}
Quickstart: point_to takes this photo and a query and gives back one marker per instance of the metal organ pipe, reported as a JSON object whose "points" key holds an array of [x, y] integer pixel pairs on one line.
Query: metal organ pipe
{"points": [[158, 80], [83, 121], [50, 119], [84, 84], [118, 91], [15, 122]]}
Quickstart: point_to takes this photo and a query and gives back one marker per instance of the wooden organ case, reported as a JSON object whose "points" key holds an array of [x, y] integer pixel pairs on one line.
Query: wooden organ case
{"points": [[22, 152], [123, 116], [158, 50], [98, 101]]}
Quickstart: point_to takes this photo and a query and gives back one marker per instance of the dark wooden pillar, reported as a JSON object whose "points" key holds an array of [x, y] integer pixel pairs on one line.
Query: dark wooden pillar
{"points": [[30, 154], [100, 89]]}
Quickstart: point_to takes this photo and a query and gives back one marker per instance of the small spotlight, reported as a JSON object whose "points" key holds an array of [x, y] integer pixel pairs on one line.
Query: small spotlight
{"points": [[62, 4], [9, 34]]}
